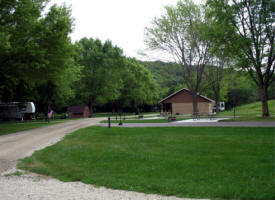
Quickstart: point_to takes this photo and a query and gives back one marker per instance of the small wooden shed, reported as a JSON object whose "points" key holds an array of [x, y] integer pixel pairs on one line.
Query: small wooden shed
{"points": [[78, 112], [180, 102]]}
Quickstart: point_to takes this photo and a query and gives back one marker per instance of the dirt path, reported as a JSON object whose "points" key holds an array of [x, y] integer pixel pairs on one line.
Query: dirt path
{"points": [[21, 144]]}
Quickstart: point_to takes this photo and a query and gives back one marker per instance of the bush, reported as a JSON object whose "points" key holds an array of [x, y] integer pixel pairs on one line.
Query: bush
{"points": [[41, 116], [60, 116]]}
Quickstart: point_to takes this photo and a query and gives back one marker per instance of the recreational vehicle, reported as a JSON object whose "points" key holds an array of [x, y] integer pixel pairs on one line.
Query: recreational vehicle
{"points": [[221, 107], [16, 110]]}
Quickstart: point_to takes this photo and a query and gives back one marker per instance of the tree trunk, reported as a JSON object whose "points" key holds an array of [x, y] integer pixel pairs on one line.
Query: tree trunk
{"points": [[134, 108], [91, 108], [195, 102], [217, 101], [265, 111], [47, 114]]}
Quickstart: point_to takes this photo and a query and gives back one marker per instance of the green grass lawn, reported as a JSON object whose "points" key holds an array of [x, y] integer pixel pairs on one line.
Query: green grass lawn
{"points": [[231, 163], [12, 127], [252, 111]]}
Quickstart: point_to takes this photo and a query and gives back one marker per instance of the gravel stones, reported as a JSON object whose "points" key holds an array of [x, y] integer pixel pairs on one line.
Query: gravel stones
{"points": [[35, 187]]}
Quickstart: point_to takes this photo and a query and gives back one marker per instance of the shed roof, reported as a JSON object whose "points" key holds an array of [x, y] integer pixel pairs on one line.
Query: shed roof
{"points": [[76, 109], [175, 93]]}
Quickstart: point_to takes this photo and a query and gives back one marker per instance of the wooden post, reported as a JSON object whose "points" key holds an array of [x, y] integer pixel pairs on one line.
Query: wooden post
{"points": [[120, 122], [109, 121]]}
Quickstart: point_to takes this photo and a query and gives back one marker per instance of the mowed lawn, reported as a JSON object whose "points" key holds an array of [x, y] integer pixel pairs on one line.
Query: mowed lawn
{"points": [[212, 162], [251, 112]]}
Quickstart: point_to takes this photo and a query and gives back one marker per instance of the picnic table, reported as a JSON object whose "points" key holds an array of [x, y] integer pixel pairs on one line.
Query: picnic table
{"points": [[198, 115]]}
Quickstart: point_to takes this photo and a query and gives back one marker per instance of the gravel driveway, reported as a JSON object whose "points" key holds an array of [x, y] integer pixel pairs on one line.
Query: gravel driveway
{"points": [[32, 187]]}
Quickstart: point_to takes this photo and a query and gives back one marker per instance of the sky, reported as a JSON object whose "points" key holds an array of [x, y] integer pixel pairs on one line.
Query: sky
{"points": [[121, 21]]}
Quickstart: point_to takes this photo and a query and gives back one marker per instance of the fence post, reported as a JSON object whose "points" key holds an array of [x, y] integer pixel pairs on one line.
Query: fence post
{"points": [[109, 121]]}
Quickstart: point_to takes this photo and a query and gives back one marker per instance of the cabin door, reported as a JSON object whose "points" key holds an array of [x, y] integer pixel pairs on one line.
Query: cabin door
{"points": [[167, 107]]}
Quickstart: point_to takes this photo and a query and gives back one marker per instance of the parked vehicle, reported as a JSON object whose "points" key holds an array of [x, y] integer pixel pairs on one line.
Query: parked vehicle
{"points": [[17, 110], [221, 107]]}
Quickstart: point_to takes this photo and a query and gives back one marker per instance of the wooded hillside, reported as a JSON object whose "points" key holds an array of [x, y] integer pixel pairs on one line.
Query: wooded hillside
{"points": [[237, 88]]}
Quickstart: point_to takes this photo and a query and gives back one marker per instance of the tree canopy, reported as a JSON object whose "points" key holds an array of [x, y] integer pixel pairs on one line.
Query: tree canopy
{"points": [[139, 87], [35, 48], [39, 63], [100, 77], [248, 31], [108, 76], [178, 32]]}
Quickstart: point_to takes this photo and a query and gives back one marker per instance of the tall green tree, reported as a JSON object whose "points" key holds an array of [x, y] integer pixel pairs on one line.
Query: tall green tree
{"points": [[247, 29], [57, 94], [100, 80], [219, 62], [56, 51], [35, 48], [178, 32], [18, 23], [214, 75], [139, 88]]}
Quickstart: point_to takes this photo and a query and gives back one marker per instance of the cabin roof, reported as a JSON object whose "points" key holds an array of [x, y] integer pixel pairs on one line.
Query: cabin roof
{"points": [[175, 93]]}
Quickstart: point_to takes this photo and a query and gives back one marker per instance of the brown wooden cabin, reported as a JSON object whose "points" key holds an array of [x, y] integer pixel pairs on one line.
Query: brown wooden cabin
{"points": [[78, 112], [180, 102]]}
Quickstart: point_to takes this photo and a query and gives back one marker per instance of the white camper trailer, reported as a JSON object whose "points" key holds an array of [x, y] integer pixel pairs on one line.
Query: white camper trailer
{"points": [[221, 107], [16, 110]]}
